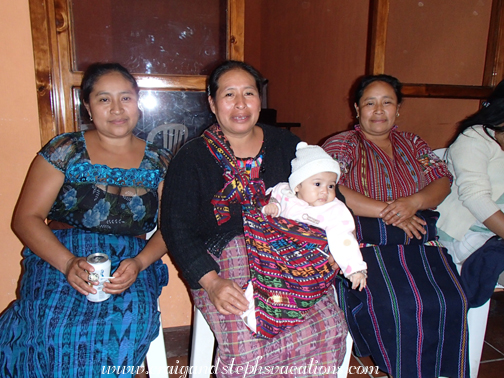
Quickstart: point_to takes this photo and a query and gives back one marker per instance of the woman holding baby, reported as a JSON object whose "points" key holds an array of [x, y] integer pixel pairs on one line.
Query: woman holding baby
{"points": [[211, 255]]}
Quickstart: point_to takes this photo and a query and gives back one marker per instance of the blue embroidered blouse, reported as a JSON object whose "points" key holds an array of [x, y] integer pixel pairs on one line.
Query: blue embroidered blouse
{"points": [[101, 199]]}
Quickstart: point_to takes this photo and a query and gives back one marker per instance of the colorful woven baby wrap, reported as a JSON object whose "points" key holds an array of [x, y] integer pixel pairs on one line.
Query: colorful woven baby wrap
{"points": [[288, 260]]}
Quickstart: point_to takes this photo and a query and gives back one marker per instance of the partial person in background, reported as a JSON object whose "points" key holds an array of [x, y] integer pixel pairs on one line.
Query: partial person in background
{"points": [[99, 192], [212, 255], [411, 318], [472, 214]]}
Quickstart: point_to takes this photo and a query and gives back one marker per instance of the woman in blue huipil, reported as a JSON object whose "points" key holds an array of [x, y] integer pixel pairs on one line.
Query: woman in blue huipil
{"points": [[94, 191]]}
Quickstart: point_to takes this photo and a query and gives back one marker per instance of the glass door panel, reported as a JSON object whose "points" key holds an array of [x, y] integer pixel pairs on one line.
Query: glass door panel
{"points": [[161, 107], [159, 37]]}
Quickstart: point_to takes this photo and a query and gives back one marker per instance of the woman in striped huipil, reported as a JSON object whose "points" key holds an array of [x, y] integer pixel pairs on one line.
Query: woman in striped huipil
{"points": [[411, 318]]}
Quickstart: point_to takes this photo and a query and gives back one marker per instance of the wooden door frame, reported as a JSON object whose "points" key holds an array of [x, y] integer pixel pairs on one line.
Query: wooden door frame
{"points": [[494, 61], [55, 79]]}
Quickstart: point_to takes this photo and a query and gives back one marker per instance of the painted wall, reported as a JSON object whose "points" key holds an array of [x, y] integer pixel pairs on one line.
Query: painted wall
{"points": [[19, 129], [432, 41], [313, 50]]}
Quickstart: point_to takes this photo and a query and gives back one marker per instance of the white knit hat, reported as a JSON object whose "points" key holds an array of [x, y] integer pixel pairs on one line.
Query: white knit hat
{"points": [[309, 161]]}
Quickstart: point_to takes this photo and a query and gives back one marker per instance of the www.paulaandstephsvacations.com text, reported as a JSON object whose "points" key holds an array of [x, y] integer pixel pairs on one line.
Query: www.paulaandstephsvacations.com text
{"points": [[250, 369]]}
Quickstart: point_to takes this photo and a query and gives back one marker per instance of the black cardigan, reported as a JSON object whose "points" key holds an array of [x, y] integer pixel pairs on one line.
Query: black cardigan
{"points": [[188, 223]]}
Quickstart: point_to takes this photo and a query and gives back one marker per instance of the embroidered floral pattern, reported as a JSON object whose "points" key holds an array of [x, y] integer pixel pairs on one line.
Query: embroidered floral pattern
{"points": [[100, 212], [69, 199], [102, 199], [137, 208]]}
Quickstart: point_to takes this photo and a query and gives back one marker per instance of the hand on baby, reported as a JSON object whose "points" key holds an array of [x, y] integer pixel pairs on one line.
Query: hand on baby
{"points": [[334, 264], [270, 209], [225, 294], [358, 280]]}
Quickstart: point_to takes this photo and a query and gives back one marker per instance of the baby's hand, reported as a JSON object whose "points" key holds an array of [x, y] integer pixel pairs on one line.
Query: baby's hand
{"points": [[270, 209], [358, 280]]}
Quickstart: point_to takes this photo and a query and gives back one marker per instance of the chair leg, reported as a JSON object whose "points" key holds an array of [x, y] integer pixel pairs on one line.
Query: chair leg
{"points": [[156, 356], [203, 343], [476, 325], [343, 370], [476, 322]]}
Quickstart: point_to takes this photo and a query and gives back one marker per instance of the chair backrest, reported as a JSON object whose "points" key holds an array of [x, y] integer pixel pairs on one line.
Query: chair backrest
{"points": [[174, 135], [441, 152]]}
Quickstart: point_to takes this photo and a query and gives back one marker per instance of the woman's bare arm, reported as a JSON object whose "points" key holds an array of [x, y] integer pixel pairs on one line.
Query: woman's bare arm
{"points": [[226, 295], [360, 204], [495, 223], [39, 192]]}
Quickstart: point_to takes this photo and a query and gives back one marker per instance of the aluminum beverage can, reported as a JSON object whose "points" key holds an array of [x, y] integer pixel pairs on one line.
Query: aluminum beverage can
{"points": [[101, 264]]}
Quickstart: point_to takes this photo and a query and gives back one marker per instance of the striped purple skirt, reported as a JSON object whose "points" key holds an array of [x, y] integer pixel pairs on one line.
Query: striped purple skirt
{"points": [[412, 316], [313, 348]]}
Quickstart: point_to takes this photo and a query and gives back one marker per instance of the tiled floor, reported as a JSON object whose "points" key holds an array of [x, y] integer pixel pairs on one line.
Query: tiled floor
{"points": [[492, 362]]}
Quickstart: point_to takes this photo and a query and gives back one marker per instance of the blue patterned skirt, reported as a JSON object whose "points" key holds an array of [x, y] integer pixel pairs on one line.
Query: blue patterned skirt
{"points": [[54, 331], [412, 316]]}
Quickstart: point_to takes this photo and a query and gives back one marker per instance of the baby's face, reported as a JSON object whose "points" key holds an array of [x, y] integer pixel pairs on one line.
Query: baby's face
{"points": [[318, 189]]}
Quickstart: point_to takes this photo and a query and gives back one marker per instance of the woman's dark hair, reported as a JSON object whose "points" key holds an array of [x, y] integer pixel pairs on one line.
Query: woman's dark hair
{"points": [[491, 114], [366, 80], [229, 65], [96, 70]]}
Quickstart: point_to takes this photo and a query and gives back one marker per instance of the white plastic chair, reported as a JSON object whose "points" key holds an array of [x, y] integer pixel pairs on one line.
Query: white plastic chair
{"points": [[174, 135], [343, 370], [476, 317], [156, 355], [440, 152], [203, 343], [202, 348], [477, 322]]}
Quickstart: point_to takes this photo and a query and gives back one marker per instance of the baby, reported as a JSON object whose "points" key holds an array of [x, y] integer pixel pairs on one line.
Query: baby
{"points": [[310, 197]]}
